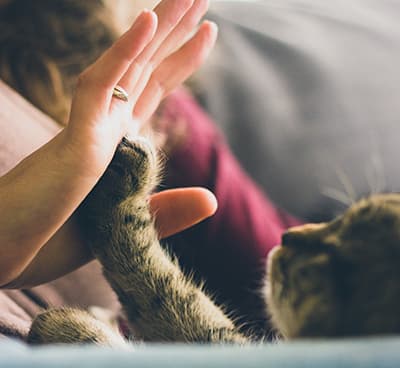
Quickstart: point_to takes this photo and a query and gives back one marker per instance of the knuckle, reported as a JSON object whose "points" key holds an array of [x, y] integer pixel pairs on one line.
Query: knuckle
{"points": [[159, 86], [150, 67], [87, 80], [121, 52], [82, 79], [136, 68]]}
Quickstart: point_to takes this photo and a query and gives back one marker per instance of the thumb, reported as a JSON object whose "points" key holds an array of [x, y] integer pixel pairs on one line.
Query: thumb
{"points": [[177, 209]]}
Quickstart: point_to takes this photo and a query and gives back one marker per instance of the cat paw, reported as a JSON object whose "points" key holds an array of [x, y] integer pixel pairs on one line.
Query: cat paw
{"points": [[134, 168], [72, 326], [131, 174], [120, 196]]}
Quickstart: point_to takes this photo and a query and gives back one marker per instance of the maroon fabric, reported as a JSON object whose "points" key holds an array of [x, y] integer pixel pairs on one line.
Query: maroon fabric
{"points": [[228, 250]]}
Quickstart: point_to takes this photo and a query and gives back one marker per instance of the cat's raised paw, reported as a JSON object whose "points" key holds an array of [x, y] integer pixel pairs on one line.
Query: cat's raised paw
{"points": [[131, 173], [135, 163]]}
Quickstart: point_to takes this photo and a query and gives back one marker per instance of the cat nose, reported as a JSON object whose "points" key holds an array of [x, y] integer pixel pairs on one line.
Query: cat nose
{"points": [[301, 235]]}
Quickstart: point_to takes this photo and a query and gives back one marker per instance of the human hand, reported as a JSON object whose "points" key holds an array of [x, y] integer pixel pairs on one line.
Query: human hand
{"points": [[148, 61], [144, 61]]}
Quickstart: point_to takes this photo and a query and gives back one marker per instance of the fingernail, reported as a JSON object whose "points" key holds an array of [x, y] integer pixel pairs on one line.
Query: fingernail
{"points": [[141, 18], [149, 11], [212, 24]]}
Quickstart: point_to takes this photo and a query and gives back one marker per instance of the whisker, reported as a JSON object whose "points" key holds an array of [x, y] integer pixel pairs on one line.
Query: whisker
{"points": [[348, 187], [369, 176], [337, 195], [380, 172], [376, 177]]}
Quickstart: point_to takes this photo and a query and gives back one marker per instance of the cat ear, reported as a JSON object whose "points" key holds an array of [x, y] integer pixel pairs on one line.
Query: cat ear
{"points": [[304, 235]]}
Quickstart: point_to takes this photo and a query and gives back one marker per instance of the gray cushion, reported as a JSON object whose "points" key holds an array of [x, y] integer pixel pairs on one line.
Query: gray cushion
{"points": [[346, 353], [307, 93]]}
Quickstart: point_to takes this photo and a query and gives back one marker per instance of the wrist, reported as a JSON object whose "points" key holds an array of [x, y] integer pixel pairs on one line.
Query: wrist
{"points": [[82, 157]]}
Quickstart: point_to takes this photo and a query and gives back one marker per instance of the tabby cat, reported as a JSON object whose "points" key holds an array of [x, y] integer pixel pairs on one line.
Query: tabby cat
{"points": [[340, 278], [335, 279]]}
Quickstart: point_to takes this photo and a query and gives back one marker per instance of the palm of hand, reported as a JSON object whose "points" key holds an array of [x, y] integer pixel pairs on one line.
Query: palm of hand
{"points": [[148, 61]]}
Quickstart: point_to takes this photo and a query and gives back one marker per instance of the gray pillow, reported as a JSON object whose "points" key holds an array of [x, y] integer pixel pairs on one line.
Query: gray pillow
{"points": [[308, 95]]}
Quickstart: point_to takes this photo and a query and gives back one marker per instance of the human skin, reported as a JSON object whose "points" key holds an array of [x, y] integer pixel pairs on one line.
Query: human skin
{"points": [[39, 240]]}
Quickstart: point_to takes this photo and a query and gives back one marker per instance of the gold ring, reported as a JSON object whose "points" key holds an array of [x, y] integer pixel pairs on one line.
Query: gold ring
{"points": [[120, 93]]}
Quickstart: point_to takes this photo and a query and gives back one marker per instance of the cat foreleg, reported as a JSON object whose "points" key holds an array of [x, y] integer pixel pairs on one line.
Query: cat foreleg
{"points": [[159, 300]]}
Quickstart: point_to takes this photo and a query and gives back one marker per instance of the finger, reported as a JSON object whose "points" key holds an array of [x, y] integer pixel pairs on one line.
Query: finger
{"points": [[101, 77], [181, 31], [169, 13], [171, 43], [176, 210], [175, 70]]}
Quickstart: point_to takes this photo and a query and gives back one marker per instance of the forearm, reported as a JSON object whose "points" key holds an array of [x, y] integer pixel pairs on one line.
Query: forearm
{"points": [[36, 198], [62, 254]]}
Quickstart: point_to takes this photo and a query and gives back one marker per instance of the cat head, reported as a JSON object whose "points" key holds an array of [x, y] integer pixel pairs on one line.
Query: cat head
{"points": [[339, 278]]}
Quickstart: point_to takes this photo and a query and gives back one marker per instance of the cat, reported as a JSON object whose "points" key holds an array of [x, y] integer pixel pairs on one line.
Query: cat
{"points": [[340, 278], [335, 279]]}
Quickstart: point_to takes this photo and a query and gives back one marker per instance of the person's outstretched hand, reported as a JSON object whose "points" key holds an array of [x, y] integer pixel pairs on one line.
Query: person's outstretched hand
{"points": [[152, 58], [38, 242]]}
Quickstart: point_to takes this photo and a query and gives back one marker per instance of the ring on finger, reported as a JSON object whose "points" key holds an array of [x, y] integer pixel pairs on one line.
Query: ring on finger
{"points": [[120, 93]]}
